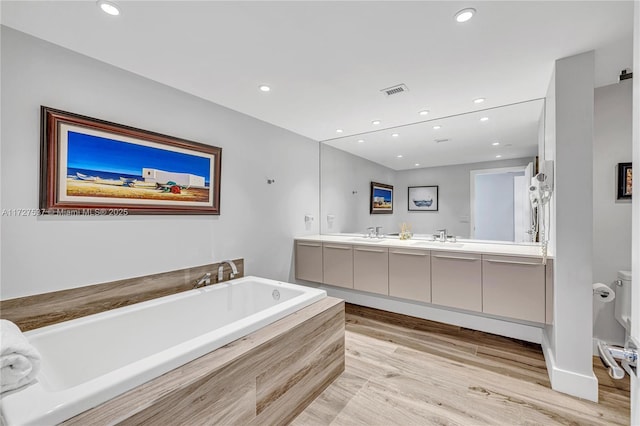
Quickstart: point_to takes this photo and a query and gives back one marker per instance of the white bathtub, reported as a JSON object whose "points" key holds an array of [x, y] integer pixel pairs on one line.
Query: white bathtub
{"points": [[90, 360]]}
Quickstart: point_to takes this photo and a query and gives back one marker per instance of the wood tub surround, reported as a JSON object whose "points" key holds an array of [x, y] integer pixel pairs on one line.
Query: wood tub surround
{"points": [[40, 310], [267, 377]]}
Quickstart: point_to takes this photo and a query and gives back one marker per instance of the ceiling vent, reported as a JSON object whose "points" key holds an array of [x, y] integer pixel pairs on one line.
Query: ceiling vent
{"points": [[394, 90], [441, 140]]}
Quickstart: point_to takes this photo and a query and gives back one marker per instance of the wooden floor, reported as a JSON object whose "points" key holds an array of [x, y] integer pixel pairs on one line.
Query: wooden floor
{"points": [[407, 371]]}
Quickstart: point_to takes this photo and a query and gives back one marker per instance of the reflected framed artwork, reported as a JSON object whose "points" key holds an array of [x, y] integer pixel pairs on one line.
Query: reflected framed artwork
{"points": [[423, 198], [381, 198], [95, 167], [625, 181]]}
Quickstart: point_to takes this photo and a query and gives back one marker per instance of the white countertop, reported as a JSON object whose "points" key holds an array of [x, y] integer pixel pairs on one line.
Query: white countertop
{"points": [[467, 246]]}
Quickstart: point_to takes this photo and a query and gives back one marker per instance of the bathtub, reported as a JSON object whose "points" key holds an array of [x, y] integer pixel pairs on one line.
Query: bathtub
{"points": [[90, 360]]}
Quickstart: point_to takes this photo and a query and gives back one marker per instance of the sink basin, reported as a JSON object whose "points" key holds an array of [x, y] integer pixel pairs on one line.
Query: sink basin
{"points": [[367, 240]]}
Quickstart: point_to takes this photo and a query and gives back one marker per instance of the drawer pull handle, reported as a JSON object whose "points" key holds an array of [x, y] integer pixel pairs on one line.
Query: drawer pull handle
{"points": [[308, 245], [513, 262], [370, 250], [338, 247], [409, 253], [456, 258]]}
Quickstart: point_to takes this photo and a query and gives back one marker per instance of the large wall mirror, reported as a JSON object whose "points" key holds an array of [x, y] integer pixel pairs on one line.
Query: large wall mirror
{"points": [[468, 174]]}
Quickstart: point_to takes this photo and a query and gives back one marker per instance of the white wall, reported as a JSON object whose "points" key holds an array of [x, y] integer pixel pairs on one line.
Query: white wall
{"points": [[257, 221], [346, 190], [567, 345], [611, 218]]}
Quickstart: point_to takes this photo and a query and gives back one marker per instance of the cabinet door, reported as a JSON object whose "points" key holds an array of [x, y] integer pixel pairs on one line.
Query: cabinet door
{"points": [[410, 274], [337, 264], [309, 261], [513, 287], [371, 269], [456, 280]]}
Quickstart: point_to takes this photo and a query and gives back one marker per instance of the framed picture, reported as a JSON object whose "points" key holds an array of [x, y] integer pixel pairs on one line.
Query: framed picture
{"points": [[423, 198], [90, 166], [381, 198], [625, 181]]}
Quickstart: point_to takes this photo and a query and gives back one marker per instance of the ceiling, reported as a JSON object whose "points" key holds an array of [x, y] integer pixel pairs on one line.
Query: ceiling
{"points": [[326, 62]]}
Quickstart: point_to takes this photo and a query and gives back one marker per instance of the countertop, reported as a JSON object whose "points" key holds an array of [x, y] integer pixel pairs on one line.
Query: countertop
{"points": [[467, 246]]}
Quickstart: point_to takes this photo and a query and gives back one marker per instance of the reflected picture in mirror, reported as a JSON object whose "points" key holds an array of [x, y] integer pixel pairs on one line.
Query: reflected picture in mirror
{"points": [[381, 198], [422, 198], [442, 152]]}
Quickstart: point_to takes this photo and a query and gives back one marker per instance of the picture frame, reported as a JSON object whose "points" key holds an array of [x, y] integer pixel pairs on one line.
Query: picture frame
{"points": [[422, 198], [625, 181], [96, 167], [381, 200]]}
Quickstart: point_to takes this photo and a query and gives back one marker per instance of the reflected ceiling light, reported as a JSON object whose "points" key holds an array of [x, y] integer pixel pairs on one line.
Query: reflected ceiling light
{"points": [[338, 130], [478, 100], [109, 7], [436, 127], [464, 15], [498, 156], [360, 140], [265, 88], [424, 112], [376, 122], [495, 143], [417, 164], [399, 156], [394, 135], [484, 119]]}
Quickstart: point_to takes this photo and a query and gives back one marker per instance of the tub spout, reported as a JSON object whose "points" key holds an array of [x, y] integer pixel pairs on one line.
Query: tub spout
{"points": [[234, 270], [203, 280]]}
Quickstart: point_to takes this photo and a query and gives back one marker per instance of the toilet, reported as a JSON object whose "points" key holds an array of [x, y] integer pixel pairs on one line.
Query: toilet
{"points": [[622, 309]]}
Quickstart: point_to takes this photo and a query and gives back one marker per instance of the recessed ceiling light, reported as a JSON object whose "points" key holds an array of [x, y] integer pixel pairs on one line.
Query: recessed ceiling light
{"points": [[436, 127], [338, 130], [360, 140], [478, 100], [484, 119], [394, 135], [399, 155], [424, 112], [109, 7], [417, 164], [265, 88], [376, 122], [464, 15], [495, 143], [498, 156]]}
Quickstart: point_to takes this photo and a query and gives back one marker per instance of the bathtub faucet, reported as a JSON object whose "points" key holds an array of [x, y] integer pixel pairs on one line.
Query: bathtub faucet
{"points": [[234, 270], [204, 280]]}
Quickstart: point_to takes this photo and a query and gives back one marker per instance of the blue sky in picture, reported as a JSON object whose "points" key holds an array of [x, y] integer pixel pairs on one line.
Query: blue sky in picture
{"points": [[109, 155], [380, 192]]}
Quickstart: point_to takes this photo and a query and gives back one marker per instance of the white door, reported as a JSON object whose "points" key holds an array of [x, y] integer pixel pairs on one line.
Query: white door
{"points": [[635, 244]]}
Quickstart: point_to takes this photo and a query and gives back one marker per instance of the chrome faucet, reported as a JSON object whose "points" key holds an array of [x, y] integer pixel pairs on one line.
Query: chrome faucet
{"points": [[379, 232], [234, 270], [370, 232], [442, 235], [203, 280]]}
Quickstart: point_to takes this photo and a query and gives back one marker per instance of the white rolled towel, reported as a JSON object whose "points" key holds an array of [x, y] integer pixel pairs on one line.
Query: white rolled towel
{"points": [[19, 360]]}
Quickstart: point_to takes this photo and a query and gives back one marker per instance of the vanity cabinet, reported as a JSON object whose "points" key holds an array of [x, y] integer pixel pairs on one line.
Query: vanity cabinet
{"points": [[371, 269], [309, 261], [410, 274], [513, 287], [456, 280], [337, 268]]}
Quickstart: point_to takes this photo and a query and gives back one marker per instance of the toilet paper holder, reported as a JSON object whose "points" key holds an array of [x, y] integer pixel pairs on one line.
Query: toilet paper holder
{"points": [[605, 292]]}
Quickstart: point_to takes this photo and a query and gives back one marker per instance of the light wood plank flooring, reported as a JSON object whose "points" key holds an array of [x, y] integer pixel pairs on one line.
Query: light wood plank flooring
{"points": [[407, 371]]}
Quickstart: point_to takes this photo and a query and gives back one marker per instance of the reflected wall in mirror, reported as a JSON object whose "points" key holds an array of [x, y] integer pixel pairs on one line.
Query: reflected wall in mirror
{"points": [[481, 163]]}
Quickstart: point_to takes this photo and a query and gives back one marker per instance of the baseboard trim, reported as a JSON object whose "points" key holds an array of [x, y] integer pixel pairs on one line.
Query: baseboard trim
{"points": [[565, 381]]}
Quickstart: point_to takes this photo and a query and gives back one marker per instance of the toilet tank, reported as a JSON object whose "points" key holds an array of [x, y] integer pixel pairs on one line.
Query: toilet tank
{"points": [[623, 300]]}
